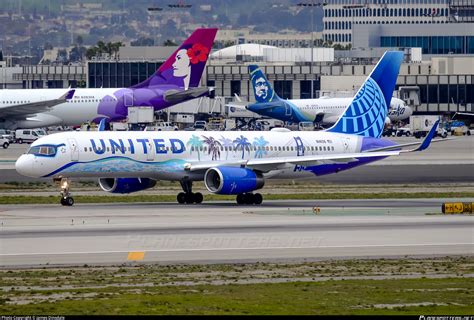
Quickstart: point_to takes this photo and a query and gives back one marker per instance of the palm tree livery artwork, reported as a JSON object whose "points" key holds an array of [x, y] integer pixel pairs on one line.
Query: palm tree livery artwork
{"points": [[227, 144], [260, 144], [242, 143], [214, 147], [195, 143]]}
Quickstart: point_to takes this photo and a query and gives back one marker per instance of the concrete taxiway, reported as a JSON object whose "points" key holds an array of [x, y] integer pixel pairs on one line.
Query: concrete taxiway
{"points": [[224, 232]]}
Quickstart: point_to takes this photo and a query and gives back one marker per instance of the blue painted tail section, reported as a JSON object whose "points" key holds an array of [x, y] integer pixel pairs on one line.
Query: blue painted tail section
{"points": [[262, 88], [366, 114]]}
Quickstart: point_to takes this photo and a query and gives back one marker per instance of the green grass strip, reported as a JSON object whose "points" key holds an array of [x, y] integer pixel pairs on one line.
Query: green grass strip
{"points": [[212, 197], [451, 296]]}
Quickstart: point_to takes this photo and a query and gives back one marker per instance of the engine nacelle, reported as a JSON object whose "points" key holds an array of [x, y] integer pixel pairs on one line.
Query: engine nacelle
{"points": [[126, 185], [232, 180]]}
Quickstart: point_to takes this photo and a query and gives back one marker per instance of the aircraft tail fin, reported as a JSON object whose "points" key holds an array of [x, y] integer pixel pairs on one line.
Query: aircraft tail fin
{"points": [[366, 114], [186, 65], [262, 88]]}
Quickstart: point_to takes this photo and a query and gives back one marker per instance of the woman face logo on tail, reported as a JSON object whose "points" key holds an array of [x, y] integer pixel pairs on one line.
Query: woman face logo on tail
{"points": [[186, 58]]}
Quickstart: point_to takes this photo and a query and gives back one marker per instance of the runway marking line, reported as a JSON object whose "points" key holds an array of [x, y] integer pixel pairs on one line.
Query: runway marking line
{"points": [[235, 248], [136, 256]]}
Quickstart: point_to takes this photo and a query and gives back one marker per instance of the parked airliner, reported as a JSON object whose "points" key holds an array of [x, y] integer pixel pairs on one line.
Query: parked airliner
{"points": [[324, 111], [176, 80], [229, 162]]}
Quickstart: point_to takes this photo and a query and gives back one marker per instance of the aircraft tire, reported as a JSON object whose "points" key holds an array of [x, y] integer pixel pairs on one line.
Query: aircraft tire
{"points": [[189, 198], [240, 198], [198, 197], [181, 198], [249, 198], [68, 201], [257, 198]]}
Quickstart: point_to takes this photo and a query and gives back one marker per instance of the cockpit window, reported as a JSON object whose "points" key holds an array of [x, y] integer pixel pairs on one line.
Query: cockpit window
{"points": [[44, 151]]}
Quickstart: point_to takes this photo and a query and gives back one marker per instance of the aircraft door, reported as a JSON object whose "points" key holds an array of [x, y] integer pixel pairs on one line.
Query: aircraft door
{"points": [[150, 156], [346, 145], [74, 148], [128, 99], [287, 109]]}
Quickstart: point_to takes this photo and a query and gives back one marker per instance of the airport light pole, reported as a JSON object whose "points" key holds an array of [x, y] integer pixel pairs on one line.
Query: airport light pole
{"points": [[311, 4]]}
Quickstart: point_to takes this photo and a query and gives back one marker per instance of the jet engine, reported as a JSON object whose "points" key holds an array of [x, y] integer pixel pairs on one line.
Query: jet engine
{"points": [[232, 180], [126, 185]]}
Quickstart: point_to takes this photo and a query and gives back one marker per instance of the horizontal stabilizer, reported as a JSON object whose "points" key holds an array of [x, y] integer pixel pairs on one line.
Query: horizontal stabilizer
{"points": [[174, 96]]}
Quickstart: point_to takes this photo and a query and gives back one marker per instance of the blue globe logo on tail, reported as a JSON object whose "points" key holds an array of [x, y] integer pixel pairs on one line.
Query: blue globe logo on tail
{"points": [[365, 116]]}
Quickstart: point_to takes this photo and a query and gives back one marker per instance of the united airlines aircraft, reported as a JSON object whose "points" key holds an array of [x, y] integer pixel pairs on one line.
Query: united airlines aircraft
{"points": [[230, 163], [324, 111], [177, 80]]}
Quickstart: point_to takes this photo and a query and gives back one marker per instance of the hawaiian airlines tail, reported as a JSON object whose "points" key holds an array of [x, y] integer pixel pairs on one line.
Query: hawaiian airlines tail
{"points": [[186, 64], [262, 88], [366, 114]]}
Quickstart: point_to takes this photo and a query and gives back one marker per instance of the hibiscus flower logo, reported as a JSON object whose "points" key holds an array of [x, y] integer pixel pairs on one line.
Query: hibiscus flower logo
{"points": [[198, 53]]}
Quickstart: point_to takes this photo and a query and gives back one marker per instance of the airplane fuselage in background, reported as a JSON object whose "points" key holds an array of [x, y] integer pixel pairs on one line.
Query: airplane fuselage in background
{"points": [[86, 104], [323, 110]]}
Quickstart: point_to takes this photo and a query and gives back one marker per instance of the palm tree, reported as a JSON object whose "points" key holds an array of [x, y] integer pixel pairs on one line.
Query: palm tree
{"points": [[243, 143], [226, 143], [214, 147], [195, 143], [116, 48], [260, 144], [101, 47]]}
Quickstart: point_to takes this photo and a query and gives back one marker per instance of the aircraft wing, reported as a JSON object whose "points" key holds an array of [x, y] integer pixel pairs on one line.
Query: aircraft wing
{"points": [[174, 96], [27, 109], [268, 164]]}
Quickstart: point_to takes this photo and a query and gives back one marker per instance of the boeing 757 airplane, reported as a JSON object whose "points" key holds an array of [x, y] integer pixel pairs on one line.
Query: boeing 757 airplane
{"points": [[229, 162], [325, 110], [177, 80]]}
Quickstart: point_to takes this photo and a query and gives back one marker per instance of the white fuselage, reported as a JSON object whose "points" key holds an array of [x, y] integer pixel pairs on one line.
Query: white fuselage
{"points": [[333, 108], [83, 107], [164, 155]]}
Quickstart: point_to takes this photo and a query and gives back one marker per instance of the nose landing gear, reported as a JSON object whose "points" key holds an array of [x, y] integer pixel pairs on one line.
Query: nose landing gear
{"points": [[66, 198]]}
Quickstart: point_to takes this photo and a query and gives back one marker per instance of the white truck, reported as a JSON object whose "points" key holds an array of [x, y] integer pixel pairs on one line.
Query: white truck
{"points": [[28, 135], [421, 125]]}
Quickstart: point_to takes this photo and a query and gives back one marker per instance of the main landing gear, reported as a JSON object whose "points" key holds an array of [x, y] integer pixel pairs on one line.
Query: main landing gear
{"points": [[249, 198], [188, 196], [66, 198]]}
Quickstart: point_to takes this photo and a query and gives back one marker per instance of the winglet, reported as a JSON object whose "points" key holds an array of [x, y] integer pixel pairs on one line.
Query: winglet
{"points": [[101, 125], [426, 142], [68, 95]]}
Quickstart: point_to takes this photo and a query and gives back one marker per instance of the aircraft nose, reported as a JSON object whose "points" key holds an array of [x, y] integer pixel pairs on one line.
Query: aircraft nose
{"points": [[24, 166]]}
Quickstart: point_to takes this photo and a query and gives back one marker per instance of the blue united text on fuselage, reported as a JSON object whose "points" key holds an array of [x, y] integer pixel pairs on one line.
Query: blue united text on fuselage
{"points": [[144, 145]]}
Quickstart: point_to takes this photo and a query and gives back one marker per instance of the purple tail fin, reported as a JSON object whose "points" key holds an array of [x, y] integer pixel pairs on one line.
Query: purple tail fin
{"points": [[185, 66]]}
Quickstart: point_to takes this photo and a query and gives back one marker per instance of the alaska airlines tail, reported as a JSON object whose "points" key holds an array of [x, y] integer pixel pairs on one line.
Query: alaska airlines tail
{"points": [[185, 66], [262, 88], [366, 114]]}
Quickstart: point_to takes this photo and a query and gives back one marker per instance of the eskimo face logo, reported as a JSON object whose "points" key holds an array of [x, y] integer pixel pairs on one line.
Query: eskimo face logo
{"points": [[261, 88]]}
